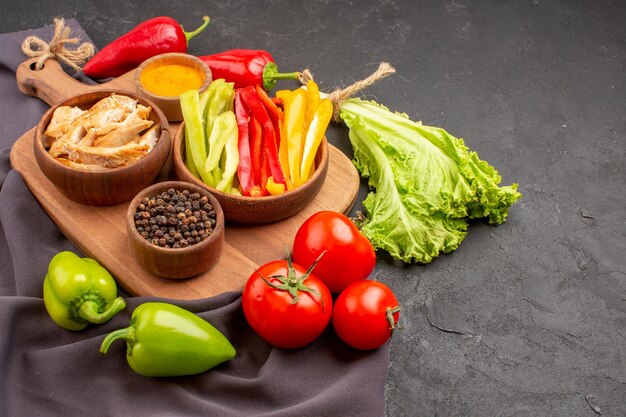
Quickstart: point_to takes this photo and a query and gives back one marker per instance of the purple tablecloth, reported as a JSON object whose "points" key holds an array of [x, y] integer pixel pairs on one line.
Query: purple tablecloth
{"points": [[49, 371]]}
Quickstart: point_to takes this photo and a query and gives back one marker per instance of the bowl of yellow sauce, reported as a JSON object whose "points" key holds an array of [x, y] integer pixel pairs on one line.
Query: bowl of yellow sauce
{"points": [[163, 78]]}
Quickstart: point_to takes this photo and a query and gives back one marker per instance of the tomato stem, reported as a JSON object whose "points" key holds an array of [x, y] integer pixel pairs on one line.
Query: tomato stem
{"points": [[269, 284], [390, 312], [291, 283], [358, 220]]}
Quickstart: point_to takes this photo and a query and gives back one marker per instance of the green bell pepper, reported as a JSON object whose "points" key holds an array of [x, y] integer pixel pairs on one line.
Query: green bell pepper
{"points": [[206, 131], [194, 132], [230, 156], [167, 340], [78, 291], [224, 128], [220, 99]]}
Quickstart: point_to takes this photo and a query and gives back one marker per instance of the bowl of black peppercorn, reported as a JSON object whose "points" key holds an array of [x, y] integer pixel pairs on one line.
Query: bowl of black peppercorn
{"points": [[175, 229]]}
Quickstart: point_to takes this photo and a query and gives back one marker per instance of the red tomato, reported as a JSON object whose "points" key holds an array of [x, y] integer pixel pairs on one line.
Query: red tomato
{"points": [[365, 314], [286, 305], [349, 256]]}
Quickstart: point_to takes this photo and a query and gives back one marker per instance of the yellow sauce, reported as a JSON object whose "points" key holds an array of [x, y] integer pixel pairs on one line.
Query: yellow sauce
{"points": [[171, 80]]}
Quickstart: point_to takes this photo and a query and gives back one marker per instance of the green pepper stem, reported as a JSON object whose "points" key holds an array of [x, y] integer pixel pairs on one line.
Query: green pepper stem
{"points": [[127, 334], [284, 75], [190, 35], [271, 75], [89, 310]]}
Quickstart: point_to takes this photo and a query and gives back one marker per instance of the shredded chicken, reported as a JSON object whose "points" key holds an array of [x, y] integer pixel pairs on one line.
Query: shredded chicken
{"points": [[109, 134], [108, 157], [149, 138], [124, 131], [73, 135], [115, 156], [84, 167], [62, 119]]}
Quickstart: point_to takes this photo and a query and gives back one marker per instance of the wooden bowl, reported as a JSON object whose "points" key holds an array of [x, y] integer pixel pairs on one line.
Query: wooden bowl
{"points": [[111, 186], [175, 262], [256, 210], [170, 105]]}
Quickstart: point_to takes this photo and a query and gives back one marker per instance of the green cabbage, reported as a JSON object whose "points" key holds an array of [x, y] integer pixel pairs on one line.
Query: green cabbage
{"points": [[425, 183]]}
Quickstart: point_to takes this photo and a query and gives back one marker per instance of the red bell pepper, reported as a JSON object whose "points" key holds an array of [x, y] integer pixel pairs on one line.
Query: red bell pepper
{"points": [[276, 114], [152, 37], [246, 67], [265, 172], [244, 169], [256, 151], [257, 109], [272, 110], [260, 161]]}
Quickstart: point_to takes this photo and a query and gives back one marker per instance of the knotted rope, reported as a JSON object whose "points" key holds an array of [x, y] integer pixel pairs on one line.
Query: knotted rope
{"points": [[34, 47], [338, 96]]}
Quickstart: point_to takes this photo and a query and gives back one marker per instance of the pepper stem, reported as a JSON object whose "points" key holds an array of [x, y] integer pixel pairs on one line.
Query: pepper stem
{"points": [[89, 310], [284, 75], [190, 35], [271, 75], [127, 334]]}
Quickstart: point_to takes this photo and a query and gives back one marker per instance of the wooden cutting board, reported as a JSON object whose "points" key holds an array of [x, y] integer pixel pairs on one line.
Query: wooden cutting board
{"points": [[100, 232]]}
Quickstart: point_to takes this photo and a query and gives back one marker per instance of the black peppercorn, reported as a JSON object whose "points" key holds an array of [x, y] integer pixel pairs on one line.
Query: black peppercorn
{"points": [[175, 219]]}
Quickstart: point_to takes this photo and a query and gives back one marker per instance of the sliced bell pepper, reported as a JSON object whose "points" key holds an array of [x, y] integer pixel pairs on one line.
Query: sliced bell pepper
{"points": [[205, 97], [283, 145], [274, 188], [220, 99], [314, 136], [272, 110], [224, 126], [257, 109], [231, 157], [265, 169], [277, 116], [194, 126], [256, 148], [189, 158], [294, 109], [283, 154], [78, 291], [260, 164], [203, 101], [312, 101], [244, 169]]}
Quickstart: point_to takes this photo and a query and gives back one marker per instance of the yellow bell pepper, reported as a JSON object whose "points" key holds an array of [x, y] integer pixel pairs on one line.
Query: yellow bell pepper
{"points": [[274, 188], [312, 101], [294, 104], [314, 136]]}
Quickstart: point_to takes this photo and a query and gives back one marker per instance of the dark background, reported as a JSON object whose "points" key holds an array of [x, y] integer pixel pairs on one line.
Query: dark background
{"points": [[527, 318]]}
